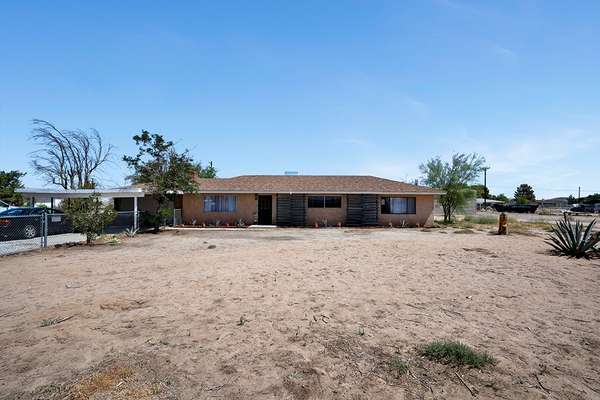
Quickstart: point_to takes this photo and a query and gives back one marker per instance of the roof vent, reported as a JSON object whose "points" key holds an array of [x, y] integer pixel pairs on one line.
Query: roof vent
{"points": [[292, 173]]}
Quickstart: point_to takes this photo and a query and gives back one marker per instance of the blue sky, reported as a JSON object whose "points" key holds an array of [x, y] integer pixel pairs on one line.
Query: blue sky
{"points": [[320, 87]]}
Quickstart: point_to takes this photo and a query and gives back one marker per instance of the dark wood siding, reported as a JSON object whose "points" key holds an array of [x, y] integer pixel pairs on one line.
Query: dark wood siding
{"points": [[283, 210], [362, 210], [291, 210], [354, 210], [370, 208], [298, 210]]}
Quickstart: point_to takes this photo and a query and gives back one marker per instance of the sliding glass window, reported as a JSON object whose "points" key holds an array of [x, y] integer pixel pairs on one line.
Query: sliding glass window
{"points": [[220, 203], [398, 205], [324, 201]]}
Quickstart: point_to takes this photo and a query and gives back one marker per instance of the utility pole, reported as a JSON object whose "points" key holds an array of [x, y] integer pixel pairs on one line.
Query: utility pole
{"points": [[579, 195], [485, 186]]}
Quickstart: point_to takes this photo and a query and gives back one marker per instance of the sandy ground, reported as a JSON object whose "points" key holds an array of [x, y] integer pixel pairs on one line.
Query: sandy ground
{"points": [[280, 314]]}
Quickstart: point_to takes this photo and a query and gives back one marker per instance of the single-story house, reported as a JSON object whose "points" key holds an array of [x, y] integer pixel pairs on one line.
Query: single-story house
{"points": [[557, 202], [304, 200]]}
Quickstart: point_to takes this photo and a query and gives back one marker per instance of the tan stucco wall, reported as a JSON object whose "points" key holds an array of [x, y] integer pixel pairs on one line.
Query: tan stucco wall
{"points": [[423, 216], [333, 215], [193, 208]]}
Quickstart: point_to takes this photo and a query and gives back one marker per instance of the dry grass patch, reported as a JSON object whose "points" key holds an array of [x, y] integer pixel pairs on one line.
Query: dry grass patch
{"points": [[124, 305], [467, 231], [102, 381], [481, 220], [126, 377], [527, 228]]}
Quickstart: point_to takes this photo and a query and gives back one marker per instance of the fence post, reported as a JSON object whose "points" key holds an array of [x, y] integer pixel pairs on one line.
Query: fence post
{"points": [[45, 216], [42, 230]]}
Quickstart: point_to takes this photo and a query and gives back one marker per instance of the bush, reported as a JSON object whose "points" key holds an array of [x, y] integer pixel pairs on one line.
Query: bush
{"points": [[89, 216], [573, 240], [155, 220], [455, 352]]}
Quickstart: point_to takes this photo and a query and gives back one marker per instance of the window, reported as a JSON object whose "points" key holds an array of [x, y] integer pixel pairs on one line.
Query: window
{"points": [[333, 201], [398, 205], [13, 212], [316, 201], [220, 203], [324, 201]]}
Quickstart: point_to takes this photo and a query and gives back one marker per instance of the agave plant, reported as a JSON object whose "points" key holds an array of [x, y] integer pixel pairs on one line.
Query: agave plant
{"points": [[574, 240], [131, 232]]}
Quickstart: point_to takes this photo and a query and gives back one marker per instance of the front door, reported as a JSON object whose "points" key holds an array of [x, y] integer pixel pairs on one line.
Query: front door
{"points": [[265, 210]]}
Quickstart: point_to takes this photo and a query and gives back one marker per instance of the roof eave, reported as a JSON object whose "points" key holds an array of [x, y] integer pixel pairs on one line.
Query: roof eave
{"points": [[404, 193]]}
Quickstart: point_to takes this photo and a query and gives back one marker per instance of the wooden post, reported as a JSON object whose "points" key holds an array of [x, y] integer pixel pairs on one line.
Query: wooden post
{"points": [[502, 224]]}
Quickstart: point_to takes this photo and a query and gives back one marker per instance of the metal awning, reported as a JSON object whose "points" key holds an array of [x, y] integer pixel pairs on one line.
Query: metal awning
{"points": [[80, 193]]}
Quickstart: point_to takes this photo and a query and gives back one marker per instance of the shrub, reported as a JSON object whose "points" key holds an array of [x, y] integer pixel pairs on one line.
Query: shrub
{"points": [[397, 366], [131, 232], [155, 220], [455, 352], [573, 240], [89, 216]]}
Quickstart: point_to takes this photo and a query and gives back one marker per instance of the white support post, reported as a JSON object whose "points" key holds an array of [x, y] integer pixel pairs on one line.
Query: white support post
{"points": [[135, 213]]}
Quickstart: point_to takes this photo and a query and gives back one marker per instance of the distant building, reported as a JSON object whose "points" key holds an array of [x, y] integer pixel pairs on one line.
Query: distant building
{"points": [[480, 202], [557, 202]]}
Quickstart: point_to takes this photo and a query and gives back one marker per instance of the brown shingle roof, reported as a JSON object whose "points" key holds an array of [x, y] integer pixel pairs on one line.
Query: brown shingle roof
{"points": [[341, 184]]}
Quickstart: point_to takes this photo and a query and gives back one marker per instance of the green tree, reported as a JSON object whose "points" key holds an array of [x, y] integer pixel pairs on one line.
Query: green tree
{"points": [[209, 172], [571, 199], [524, 194], [591, 199], [453, 178], [9, 182], [481, 191], [501, 197], [164, 171], [89, 216]]}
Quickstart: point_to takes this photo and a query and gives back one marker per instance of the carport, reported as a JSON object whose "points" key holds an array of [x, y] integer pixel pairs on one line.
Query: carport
{"points": [[49, 195]]}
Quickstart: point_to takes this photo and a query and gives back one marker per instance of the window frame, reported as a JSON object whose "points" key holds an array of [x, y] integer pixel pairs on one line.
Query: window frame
{"points": [[322, 199], [386, 205], [217, 201], [311, 201]]}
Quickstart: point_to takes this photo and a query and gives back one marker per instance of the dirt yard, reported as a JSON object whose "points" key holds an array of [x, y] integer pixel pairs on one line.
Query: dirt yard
{"points": [[298, 314]]}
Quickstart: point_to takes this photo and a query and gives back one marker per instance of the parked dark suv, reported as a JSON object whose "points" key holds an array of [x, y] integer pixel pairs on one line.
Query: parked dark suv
{"points": [[26, 223]]}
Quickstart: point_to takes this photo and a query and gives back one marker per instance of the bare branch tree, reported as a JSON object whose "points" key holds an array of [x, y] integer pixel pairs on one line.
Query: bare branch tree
{"points": [[68, 158]]}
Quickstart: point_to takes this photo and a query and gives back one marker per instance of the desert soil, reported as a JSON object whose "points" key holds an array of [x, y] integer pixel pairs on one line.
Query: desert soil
{"points": [[298, 314]]}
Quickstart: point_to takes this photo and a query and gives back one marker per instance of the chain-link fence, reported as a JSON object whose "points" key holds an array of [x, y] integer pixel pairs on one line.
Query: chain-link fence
{"points": [[30, 232], [21, 233]]}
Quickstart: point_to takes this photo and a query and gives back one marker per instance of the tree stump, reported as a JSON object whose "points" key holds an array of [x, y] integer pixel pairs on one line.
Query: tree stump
{"points": [[502, 224]]}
